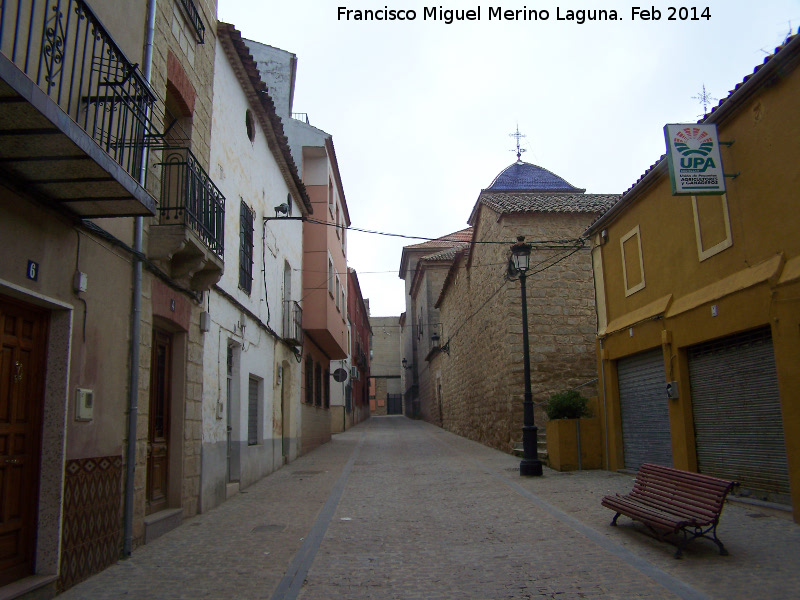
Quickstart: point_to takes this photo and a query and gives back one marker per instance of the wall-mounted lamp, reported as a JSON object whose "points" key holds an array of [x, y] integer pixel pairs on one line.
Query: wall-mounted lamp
{"points": [[406, 365], [282, 209], [435, 339]]}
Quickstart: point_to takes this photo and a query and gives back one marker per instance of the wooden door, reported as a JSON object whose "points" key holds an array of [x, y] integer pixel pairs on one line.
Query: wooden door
{"points": [[158, 431], [23, 332]]}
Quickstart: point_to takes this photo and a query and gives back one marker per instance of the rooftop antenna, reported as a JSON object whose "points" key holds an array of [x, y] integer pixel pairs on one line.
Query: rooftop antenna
{"points": [[705, 99], [519, 136]]}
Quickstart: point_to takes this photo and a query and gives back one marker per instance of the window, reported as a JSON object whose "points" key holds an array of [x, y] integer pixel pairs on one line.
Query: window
{"points": [[337, 221], [246, 218], [326, 380], [331, 198], [338, 287], [331, 274], [252, 412], [250, 125], [318, 384], [309, 380]]}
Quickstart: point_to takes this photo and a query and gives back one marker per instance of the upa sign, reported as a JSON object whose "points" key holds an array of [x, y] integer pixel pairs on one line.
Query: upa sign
{"points": [[695, 164]]}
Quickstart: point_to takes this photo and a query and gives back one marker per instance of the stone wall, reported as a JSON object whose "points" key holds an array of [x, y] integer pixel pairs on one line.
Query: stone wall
{"points": [[482, 377]]}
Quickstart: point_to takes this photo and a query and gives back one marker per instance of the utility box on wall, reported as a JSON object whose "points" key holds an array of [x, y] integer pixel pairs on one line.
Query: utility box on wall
{"points": [[84, 404]]}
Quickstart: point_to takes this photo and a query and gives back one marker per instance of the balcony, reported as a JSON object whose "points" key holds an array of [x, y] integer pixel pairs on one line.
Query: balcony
{"points": [[76, 112], [292, 323], [188, 238]]}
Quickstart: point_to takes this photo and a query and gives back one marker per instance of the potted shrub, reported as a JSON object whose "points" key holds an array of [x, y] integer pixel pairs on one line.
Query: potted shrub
{"points": [[573, 434]]}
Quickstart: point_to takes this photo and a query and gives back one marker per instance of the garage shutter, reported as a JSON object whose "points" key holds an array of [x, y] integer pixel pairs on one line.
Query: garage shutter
{"points": [[644, 410], [737, 412]]}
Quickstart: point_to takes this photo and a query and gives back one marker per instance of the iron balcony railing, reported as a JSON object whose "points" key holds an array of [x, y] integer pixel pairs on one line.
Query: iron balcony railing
{"points": [[292, 322], [193, 15], [301, 117], [62, 46], [189, 196]]}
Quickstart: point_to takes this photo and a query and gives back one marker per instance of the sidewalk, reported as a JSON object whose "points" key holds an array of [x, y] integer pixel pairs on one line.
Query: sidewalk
{"points": [[401, 509]]}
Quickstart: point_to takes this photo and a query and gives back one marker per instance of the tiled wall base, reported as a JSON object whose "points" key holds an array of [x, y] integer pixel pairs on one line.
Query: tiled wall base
{"points": [[92, 518]]}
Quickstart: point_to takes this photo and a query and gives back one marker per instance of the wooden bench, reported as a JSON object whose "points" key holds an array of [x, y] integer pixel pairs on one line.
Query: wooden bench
{"points": [[669, 501]]}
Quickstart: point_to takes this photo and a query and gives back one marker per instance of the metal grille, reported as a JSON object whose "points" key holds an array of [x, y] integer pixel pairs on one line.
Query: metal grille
{"points": [[309, 380], [65, 50], [644, 410], [252, 412], [737, 412], [189, 196], [246, 219]]}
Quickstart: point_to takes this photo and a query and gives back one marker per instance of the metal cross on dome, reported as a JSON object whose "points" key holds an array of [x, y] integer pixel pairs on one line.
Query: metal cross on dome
{"points": [[519, 136]]}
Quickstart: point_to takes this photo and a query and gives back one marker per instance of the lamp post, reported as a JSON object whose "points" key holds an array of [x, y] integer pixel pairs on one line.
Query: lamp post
{"points": [[530, 464]]}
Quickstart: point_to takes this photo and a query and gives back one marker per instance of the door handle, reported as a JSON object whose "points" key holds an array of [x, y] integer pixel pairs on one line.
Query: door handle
{"points": [[17, 372], [12, 461]]}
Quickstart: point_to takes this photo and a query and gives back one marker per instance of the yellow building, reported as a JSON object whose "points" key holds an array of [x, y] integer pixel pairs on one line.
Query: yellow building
{"points": [[698, 303]]}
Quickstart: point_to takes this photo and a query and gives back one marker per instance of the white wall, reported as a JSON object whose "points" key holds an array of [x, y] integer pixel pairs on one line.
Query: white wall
{"points": [[245, 170]]}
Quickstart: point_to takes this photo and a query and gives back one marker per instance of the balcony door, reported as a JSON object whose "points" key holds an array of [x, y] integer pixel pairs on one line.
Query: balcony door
{"points": [[23, 333]]}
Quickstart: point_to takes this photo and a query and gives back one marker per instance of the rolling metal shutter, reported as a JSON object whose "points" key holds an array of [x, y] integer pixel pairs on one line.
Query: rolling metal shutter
{"points": [[644, 410], [737, 412]]}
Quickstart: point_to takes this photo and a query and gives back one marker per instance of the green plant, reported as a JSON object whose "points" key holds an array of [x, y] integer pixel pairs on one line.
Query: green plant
{"points": [[567, 405]]}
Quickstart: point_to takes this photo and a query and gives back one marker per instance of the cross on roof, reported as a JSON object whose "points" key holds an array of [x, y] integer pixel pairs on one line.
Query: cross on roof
{"points": [[519, 136]]}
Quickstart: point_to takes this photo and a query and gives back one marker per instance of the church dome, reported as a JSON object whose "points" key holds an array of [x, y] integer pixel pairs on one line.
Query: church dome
{"points": [[525, 177]]}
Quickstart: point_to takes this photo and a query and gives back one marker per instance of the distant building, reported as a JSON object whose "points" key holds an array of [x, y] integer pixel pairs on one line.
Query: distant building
{"points": [[324, 247], [385, 386]]}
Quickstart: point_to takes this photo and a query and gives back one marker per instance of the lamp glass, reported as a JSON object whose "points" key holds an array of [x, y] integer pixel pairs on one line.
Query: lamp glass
{"points": [[521, 254]]}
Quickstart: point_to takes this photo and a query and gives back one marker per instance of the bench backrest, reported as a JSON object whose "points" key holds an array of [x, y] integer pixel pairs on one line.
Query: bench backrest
{"points": [[682, 492]]}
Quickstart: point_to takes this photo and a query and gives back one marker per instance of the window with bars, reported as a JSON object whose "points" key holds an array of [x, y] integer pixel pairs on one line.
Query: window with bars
{"points": [[326, 381], [252, 412], [309, 380], [246, 218], [318, 384]]}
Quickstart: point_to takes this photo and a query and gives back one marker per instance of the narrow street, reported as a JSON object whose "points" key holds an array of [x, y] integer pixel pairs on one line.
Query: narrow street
{"points": [[400, 509]]}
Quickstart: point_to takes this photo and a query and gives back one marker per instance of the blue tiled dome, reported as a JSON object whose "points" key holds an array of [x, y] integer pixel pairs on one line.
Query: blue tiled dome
{"points": [[525, 177]]}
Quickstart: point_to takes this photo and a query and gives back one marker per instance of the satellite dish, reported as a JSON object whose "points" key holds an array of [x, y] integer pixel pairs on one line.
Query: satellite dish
{"points": [[339, 375]]}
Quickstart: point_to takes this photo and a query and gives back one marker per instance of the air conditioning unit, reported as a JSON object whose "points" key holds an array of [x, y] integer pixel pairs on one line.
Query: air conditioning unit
{"points": [[354, 373]]}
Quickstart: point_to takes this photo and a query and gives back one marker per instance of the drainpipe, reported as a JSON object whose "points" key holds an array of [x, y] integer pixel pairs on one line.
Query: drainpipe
{"points": [[605, 408], [136, 312]]}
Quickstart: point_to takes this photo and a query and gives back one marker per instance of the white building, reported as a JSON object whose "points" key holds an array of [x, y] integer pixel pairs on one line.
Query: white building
{"points": [[251, 379]]}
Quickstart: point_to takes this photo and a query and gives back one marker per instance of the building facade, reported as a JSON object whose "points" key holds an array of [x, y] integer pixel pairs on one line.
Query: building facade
{"points": [[102, 342], [385, 386], [479, 307], [324, 247], [423, 267], [358, 310], [700, 292], [253, 322]]}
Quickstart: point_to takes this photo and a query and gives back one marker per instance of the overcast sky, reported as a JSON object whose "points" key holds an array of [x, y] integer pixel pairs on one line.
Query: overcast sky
{"points": [[421, 111]]}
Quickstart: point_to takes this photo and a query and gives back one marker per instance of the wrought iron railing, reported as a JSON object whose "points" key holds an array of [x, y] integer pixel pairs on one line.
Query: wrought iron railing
{"points": [[301, 117], [62, 46], [194, 18], [190, 197], [292, 322]]}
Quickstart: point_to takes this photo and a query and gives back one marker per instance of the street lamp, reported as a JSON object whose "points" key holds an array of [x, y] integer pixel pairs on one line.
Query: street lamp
{"points": [[530, 464]]}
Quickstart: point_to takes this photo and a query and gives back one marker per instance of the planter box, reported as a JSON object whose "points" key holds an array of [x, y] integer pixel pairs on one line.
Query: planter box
{"points": [[562, 444]]}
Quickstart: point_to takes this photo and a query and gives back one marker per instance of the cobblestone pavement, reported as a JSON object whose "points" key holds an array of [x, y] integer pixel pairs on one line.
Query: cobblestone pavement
{"points": [[399, 509]]}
